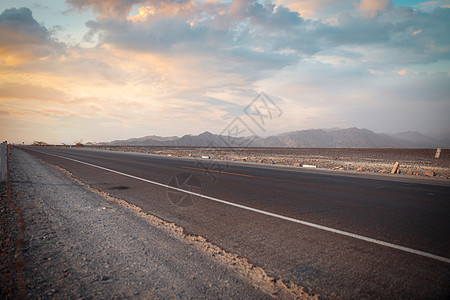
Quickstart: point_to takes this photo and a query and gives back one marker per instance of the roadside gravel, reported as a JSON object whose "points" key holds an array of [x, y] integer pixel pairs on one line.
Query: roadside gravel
{"points": [[81, 244]]}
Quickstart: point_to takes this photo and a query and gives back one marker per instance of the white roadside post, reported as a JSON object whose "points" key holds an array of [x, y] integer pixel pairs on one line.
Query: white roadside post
{"points": [[395, 168], [438, 153], [3, 163]]}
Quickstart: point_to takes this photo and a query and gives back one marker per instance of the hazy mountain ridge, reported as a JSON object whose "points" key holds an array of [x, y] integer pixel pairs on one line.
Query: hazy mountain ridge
{"points": [[311, 138], [414, 136], [154, 140]]}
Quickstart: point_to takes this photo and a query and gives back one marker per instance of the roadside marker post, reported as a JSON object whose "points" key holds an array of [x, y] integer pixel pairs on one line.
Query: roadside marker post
{"points": [[395, 168], [438, 153]]}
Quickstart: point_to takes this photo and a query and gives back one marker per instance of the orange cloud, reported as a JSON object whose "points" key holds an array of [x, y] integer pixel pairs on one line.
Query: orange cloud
{"points": [[403, 72], [120, 9], [107, 8], [31, 92], [143, 14], [162, 8], [371, 8]]}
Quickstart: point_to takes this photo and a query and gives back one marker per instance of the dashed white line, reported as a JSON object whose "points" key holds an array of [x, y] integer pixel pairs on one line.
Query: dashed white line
{"points": [[317, 226]]}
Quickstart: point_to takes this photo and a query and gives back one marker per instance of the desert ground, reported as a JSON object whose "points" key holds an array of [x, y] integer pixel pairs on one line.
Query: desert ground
{"points": [[412, 162]]}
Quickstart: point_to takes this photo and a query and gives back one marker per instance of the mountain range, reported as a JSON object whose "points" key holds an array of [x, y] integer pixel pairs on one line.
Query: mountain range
{"points": [[311, 138]]}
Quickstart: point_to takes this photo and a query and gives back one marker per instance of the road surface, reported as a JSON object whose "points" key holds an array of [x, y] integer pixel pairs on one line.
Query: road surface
{"points": [[342, 236]]}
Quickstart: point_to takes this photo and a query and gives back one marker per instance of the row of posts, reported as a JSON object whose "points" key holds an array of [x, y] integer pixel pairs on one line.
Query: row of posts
{"points": [[3, 162]]}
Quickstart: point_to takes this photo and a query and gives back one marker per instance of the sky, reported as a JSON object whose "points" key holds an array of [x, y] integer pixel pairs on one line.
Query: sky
{"points": [[100, 70]]}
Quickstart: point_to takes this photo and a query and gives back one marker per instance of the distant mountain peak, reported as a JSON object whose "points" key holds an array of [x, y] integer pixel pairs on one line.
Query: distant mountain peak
{"points": [[206, 133]]}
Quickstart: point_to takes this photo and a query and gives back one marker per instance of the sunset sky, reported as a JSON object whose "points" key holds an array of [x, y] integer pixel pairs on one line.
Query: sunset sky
{"points": [[99, 70]]}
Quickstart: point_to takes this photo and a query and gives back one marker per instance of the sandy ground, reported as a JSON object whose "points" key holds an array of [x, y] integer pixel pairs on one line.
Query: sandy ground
{"points": [[412, 162]]}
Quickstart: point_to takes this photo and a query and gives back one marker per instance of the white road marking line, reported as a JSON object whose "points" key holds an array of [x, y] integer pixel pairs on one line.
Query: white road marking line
{"points": [[329, 229]]}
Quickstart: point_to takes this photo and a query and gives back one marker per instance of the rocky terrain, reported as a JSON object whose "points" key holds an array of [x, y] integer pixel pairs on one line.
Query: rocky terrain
{"points": [[412, 162]]}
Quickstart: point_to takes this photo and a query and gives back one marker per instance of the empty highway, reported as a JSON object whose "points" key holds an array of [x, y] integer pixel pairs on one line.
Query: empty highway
{"points": [[339, 235]]}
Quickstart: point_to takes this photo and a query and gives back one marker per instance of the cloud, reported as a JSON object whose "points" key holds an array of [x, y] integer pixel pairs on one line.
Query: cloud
{"points": [[396, 38], [244, 34], [31, 92], [371, 8], [120, 9], [431, 4], [317, 95], [195, 64], [106, 8], [403, 72], [23, 39], [269, 36], [318, 9]]}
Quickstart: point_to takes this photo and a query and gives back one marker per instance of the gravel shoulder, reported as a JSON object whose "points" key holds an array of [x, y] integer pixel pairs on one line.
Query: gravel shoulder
{"points": [[80, 243]]}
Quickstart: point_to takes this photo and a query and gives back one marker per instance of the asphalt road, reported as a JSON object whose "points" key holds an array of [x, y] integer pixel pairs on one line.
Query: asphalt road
{"points": [[261, 206]]}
